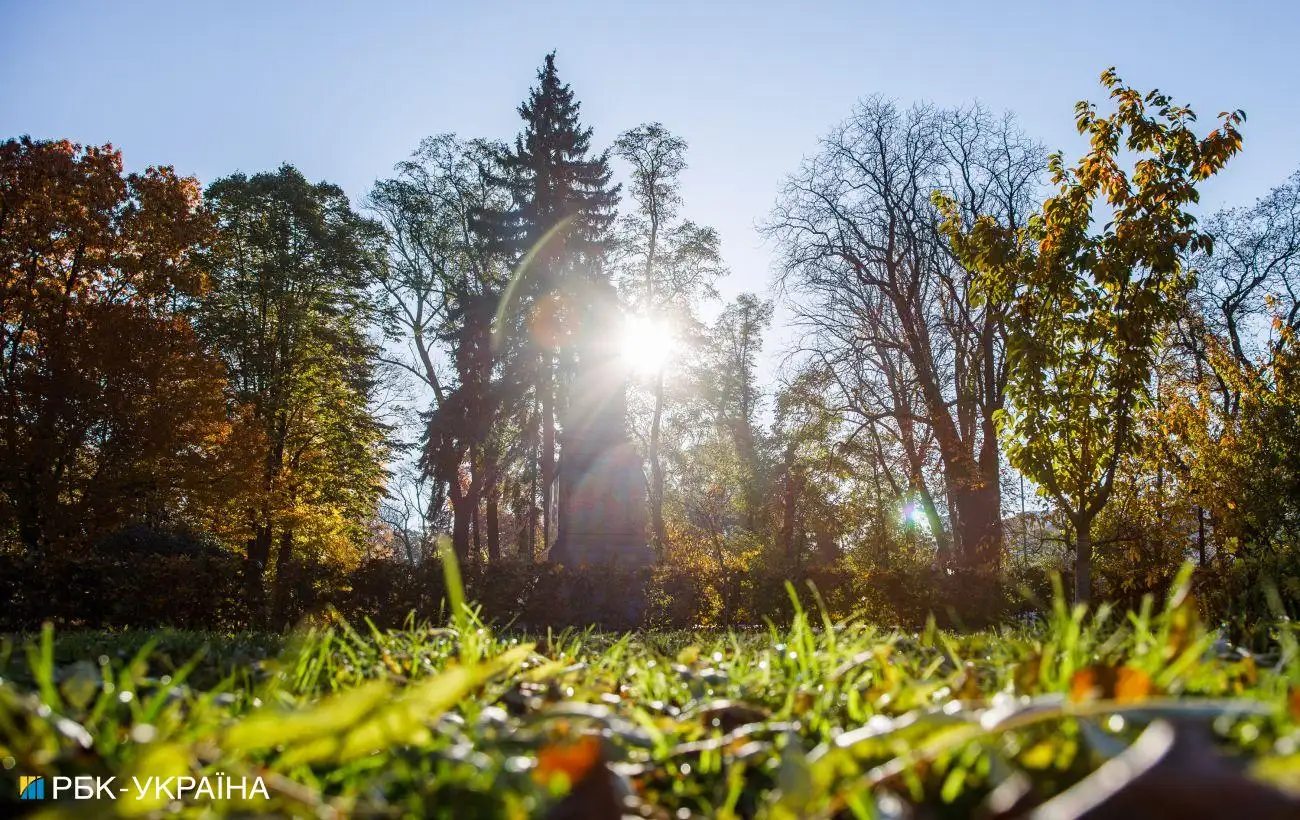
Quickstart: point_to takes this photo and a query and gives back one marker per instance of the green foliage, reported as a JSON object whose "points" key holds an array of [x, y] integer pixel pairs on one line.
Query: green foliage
{"points": [[289, 312], [1257, 596], [1261, 463], [553, 181], [205, 590], [123, 588], [1089, 307]]}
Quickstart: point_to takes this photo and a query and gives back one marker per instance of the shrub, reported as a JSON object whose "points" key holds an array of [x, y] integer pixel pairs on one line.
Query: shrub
{"points": [[151, 580]]}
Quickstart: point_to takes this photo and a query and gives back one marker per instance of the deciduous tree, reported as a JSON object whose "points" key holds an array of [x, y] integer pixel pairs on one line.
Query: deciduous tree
{"points": [[292, 267], [112, 412], [886, 306], [667, 267], [1088, 307], [442, 289]]}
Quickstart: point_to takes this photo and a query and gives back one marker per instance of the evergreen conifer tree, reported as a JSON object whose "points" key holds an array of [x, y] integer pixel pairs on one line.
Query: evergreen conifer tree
{"points": [[557, 231]]}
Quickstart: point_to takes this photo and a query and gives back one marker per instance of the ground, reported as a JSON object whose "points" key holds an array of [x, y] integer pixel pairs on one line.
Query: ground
{"points": [[813, 720]]}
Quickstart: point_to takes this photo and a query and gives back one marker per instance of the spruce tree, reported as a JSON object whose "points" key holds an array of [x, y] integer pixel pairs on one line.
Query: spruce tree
{"points": [[553, 179], [557, 231]]}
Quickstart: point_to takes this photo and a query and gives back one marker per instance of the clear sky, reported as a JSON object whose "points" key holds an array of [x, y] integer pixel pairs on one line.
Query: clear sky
{"points": [[345, 90]]}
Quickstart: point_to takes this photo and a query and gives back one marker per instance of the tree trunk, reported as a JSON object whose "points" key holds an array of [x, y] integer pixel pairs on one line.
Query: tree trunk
{"points": [[748, 451], [916, 480], [789, 509], [723, 574], [461, 513], [1200, 535], [29, 526], [472, 499], [283, 561], [548, 450], [882, 526], [259, 553], [659, 530], [977, 532], [476, 532], [1083, 561], [988, 500], [493, 524], [976, 528], [824, 539], [533, 489], [981, 528], [943, 547], [259, 548]]}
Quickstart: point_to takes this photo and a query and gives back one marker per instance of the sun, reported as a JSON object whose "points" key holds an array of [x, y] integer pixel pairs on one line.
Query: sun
{"points": [[647, 344], [913, 514]]}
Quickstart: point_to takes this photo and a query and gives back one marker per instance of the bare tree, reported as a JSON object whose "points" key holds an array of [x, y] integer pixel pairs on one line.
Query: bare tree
{"points": [[666, 266], [1251, 278], [441, 287], [414, 522], [887, 306]]}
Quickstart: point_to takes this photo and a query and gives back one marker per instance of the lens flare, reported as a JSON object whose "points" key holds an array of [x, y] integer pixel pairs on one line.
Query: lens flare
{"points": [[913, 514], [647, 345]]}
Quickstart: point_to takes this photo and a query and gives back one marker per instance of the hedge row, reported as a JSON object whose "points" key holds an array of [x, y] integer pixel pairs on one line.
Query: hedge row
{"points": [[207, 591]]}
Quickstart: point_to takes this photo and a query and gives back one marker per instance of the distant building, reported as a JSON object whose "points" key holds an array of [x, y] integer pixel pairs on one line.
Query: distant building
{"points": [[1031, 537]]}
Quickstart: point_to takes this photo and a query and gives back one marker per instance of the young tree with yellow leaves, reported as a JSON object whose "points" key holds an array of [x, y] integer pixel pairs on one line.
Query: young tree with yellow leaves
{"points": [[1089, 306]]}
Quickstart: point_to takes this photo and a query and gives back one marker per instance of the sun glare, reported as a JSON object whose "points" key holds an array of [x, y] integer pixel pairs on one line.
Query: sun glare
{"points": [[913, 514], [647, 344]]}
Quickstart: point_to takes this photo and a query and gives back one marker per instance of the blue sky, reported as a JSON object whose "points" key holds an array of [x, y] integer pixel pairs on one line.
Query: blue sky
{"points": [[345, 90]]}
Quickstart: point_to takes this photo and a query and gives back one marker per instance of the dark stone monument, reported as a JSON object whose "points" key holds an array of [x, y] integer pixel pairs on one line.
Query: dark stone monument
{"points": [[601, 485]]}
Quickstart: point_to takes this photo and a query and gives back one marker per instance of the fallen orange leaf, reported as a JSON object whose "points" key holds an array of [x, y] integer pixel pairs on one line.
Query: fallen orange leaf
{"points": [[1131, 684], [573, 760]]}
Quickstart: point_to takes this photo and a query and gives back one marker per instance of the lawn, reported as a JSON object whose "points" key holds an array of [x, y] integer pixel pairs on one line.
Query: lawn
{"points": [[816, 719]]}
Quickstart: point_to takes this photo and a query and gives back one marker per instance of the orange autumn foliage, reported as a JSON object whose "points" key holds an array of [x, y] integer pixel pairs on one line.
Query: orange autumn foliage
{"points": [[110, 410]]}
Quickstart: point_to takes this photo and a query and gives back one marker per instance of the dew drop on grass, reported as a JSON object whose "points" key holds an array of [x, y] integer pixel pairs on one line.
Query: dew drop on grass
{"points": [[518, 763], [143, 733]]}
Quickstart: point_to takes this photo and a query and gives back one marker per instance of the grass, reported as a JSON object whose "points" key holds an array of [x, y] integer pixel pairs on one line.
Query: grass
{"points": [[817, 719]]}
